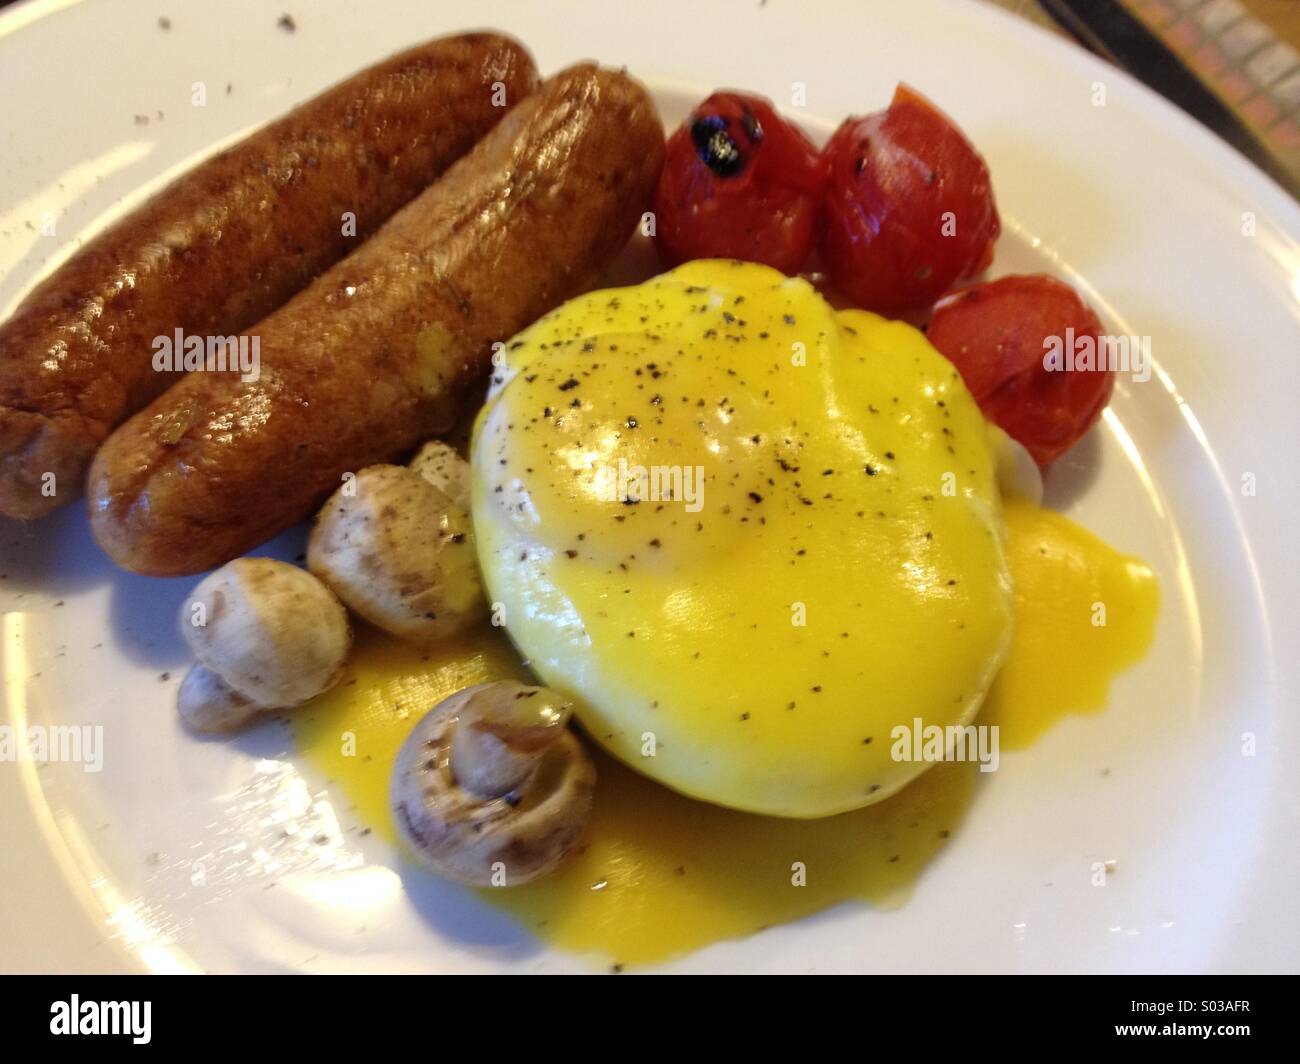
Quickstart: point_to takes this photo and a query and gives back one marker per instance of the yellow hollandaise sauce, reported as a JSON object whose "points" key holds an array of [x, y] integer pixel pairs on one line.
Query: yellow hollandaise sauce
{"points": [[824, 558], [1084, 613], [747, 534], [657, 874]]}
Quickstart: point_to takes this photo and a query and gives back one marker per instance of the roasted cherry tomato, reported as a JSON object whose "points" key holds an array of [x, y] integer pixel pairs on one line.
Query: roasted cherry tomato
{"points": [[1018, 343], [739, 182], [908, 209]]}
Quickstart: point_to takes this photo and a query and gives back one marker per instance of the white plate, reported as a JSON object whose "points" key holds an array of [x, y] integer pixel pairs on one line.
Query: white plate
{"points": [[1130, 200]]}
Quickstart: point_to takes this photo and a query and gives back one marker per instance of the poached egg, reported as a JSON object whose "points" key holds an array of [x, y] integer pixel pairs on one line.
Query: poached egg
{"points": [[751, 536]]}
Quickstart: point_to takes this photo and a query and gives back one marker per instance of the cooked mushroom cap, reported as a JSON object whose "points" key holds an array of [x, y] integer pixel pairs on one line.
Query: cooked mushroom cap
{"points": [[500, 839], [401, 553], [208, 704], [445, 469], [272, 632]]}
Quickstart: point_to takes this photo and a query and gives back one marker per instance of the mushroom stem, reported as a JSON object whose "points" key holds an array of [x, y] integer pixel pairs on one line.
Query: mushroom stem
{"points": [[497, 744], [208, 704]]}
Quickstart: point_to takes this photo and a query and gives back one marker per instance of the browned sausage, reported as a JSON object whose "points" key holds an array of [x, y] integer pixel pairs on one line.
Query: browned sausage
{"points": [[375, 356], [227, 243]]}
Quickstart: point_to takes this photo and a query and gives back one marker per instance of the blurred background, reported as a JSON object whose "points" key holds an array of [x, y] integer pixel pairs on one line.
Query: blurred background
{"points": [[1234, 65]]}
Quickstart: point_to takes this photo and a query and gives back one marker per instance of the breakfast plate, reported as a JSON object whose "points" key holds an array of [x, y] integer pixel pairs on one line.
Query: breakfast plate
{"points": [[1154, 834]]}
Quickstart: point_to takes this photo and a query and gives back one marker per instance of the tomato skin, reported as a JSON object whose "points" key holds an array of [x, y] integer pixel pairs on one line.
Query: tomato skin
{"points": [[898, 183], [739, 182], [996, 334]]}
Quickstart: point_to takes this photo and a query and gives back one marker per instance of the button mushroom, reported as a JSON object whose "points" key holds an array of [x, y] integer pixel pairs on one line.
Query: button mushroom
{"points": [[444, 468], [492, 788], [208, 704], [399, 552], [267, 634]]}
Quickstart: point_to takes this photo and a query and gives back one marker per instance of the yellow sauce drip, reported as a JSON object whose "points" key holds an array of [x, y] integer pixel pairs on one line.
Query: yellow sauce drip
{"points": [[1084, 614], [659, 875]]}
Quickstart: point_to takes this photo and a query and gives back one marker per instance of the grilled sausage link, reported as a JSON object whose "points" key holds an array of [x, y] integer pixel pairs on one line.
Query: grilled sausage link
{"points": [[376, 355], [228, 242]]}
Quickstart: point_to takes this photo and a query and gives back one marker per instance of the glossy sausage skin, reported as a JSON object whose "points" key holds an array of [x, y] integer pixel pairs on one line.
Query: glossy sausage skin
{"points": [[378, 353], [228, 242]]}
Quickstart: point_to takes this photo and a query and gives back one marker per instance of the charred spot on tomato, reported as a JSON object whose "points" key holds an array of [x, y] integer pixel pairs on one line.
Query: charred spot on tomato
{"points": [[716, 146], [758, 176]]}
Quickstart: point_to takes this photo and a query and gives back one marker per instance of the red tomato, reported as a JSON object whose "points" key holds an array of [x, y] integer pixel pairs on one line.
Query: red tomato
{"points": [[739, 182], [999, 335], [908, 209]]}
